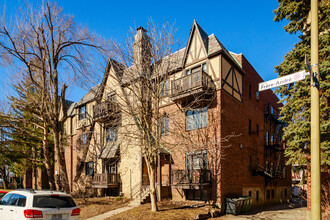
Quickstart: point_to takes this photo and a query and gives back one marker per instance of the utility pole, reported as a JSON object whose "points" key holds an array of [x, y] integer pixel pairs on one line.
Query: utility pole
{"points": [[315, 116]]}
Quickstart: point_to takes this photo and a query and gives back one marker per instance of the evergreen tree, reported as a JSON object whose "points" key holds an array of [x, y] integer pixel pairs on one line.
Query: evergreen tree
{"points": [[296, 96]]}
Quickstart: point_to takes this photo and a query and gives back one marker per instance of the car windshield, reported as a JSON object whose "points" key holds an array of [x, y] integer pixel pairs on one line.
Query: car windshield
{"points": [[53, 201]]}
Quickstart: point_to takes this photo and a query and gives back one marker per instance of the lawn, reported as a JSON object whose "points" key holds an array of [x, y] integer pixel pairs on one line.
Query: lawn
{"points": [[98, 206], [167, 210]]}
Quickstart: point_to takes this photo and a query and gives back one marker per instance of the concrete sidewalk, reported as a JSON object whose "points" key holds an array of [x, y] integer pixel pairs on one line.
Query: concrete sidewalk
{"points": [[131, 205]]}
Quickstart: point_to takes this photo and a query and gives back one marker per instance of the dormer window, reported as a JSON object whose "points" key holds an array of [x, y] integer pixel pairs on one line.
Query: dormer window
{"points": [[82, 112]]}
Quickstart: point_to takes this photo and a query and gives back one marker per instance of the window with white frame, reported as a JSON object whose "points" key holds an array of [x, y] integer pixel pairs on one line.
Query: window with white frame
{"points": [[83, 138], [112, 133], [82, 112], [196, 118], [196, 160]]}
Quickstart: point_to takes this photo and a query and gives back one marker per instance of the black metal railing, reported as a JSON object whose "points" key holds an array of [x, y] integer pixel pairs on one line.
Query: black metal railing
{"points": [[191, 176]]}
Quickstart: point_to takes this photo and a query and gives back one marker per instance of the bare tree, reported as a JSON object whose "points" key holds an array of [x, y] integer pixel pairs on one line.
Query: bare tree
{"points": [[47, 46], [144, 63]]}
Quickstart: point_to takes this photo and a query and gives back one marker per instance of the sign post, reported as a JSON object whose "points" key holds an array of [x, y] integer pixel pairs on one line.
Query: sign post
{"points": [[315, 116]]}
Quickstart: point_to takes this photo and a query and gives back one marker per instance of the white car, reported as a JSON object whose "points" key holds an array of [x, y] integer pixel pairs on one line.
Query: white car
{"points": [[38, 204]]}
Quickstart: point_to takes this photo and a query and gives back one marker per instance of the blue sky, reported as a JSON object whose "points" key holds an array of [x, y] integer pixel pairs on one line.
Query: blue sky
{"points": [[242, 26]]}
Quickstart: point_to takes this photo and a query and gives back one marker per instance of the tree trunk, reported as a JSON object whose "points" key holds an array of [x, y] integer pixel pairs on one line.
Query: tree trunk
{"points": [[61, 161], [48, 165], [3, 175], [153, 198]]}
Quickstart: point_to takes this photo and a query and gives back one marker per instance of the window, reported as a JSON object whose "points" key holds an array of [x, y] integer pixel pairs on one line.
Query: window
{"points": [[83, 139], [164, 125], [164, 88], [268, 194], [272, 139], [196, 119], [250, 163], [13, 200], [285, 192], [257, 96], [257, 129], [271, 110], [273, 194], [112, 133], [257, 196], [250, 90], [250, 129], [53, 201], [196, 160], [21, 201], [267, 138], [250, 194], [111, 97], [5, 199], [82, 112], [89, 169]]}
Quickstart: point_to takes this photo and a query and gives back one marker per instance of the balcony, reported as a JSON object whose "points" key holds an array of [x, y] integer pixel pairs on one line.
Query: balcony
{"points": [[105, 180], [271, 112], [193, 84], [105, 111], [189, 178]]}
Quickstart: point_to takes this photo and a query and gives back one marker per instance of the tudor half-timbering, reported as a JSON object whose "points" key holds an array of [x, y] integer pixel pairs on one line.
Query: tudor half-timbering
{"points": [[233, 138]]}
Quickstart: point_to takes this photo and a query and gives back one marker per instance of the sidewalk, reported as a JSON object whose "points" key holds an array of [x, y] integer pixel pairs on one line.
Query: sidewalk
{"points": [[131, 205]]}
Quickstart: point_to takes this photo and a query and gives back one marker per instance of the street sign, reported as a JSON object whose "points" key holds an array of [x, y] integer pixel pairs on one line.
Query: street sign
{"points": [[294, 77]]}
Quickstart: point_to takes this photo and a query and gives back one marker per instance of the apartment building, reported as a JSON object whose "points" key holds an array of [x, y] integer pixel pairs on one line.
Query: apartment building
{"points": [[224, 138]]}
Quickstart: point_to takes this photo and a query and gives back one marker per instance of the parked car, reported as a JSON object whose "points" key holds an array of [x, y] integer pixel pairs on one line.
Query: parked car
{"points": [[2, 193], [40, 204]]}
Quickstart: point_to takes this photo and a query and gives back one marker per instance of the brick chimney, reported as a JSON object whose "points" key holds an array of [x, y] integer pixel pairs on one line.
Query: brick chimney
{"points": [[142, 49]]}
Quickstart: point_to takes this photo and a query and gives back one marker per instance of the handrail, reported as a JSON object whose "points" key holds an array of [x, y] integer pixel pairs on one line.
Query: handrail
{"points": [[190, 82], [104, 109], [191, 176]]}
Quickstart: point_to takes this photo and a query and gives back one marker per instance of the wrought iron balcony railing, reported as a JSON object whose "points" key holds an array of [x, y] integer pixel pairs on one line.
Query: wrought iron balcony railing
{"points": [[184, 177]]}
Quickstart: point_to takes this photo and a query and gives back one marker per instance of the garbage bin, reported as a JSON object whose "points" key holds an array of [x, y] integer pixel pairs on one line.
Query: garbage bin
{"points": [[246, 203], [234, 205]]}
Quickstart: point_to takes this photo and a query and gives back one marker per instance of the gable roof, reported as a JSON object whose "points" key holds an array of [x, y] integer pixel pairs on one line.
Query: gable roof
{"points": [[90, 96], [211, 45]]}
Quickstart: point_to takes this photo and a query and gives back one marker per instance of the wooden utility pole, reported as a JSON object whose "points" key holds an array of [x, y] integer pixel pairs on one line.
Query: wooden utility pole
{"points": [[315, 116]]}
